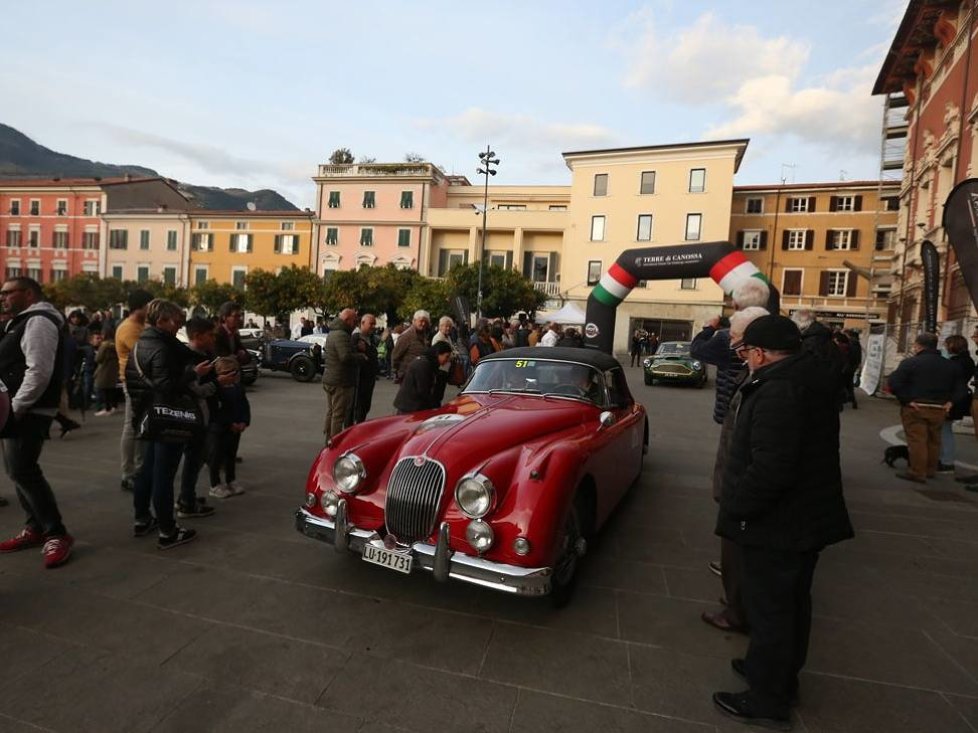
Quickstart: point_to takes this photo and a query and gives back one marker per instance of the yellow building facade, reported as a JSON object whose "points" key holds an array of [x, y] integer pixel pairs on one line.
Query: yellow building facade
{"points": [[825, 246], [226, 245]]}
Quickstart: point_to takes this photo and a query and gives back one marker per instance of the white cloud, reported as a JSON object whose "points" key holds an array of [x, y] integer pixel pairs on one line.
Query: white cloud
{"points": [[518, 131], [706, 60], [756, 80]]}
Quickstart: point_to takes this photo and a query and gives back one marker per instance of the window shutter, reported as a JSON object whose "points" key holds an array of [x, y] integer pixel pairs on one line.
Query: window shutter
{"points": [[295, 243], [787, 205], [829, 244], [442, 262], [763, 244], [278, 243], [195, 242], [527, 264], [854, 239], [251, 238], [509, 260], [823, 283], [851, 282], [833, 203], [740, 240], [552, 267], [858, 204], [465, 257], [810, 239], [232, 243], [811, 204], [785, 237]]}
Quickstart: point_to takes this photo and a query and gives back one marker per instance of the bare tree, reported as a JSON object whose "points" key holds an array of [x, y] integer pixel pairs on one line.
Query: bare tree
{"points": [[413, 158]]}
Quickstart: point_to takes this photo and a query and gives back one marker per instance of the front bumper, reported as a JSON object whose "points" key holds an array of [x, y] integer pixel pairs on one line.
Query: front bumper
{"points": [[692, 378], [443, 562]]}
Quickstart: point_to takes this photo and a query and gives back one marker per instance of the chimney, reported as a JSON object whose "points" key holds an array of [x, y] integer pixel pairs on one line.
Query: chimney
{"points": [[128, 177]]}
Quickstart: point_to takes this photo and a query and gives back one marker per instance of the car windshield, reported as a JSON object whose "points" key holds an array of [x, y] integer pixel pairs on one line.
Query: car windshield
{"points": [[539, 377], [314, 338], [673, 348]]}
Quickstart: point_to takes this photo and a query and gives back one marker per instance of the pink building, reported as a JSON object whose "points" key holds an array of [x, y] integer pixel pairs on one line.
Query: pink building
{"points": [[374, 214], [52, 228]]}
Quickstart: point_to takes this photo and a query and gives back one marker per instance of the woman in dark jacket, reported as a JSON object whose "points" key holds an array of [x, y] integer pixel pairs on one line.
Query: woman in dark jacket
{"points": [[420, 389], [957, 348], [159, 367]]}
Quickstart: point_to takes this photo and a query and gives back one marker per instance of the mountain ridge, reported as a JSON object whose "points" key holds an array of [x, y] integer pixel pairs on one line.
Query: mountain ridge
{"points": [[22, 157]]}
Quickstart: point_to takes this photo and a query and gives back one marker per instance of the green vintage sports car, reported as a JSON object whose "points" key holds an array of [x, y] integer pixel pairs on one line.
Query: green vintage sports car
{"points": [[672, 363]]}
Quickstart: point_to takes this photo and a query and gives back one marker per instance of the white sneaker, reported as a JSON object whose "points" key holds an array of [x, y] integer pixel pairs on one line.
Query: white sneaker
{"points": [[103, 413], [221, 491], [235, 488]]}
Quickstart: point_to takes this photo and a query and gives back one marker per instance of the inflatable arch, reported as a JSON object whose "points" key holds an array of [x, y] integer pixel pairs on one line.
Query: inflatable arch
{"points": [[721, 261]]}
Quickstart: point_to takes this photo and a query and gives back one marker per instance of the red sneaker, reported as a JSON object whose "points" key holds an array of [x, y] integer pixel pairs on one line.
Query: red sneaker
{"points": [[57, 550], [26, 539]]}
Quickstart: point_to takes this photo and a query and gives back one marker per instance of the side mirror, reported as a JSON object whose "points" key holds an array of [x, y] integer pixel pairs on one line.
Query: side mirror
{"points": [[606, 420]]}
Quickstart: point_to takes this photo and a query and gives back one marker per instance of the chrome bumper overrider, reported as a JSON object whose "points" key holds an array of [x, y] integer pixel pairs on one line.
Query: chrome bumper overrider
{"points": [[439, 559]]}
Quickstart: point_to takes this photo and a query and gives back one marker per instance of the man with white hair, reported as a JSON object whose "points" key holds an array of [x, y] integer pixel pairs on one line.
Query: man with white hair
{"points": [[411, 344], [551, 336], [752, 292], [340, 365], [732, 616]]}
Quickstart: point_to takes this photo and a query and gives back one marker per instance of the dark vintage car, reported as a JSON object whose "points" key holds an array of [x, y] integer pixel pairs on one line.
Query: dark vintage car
{"points": [[501, 487], [671, 362], [302, 358]]}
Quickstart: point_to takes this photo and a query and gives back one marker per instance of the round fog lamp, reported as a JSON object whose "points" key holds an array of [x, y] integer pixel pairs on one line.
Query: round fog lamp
{"points": [[696, 365], [521, 546], [348, 472], [479, 535], [330, 501]]}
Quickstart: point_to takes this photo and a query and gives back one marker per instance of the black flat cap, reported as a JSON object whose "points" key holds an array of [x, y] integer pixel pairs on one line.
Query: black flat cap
{"points": [[777, 333]]}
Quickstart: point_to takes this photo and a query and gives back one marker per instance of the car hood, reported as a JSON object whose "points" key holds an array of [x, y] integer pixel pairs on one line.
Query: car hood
{"points": [[473, 430]]}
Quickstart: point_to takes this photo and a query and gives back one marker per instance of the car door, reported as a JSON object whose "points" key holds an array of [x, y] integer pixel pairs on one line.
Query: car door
{"points": [[617, 447]]}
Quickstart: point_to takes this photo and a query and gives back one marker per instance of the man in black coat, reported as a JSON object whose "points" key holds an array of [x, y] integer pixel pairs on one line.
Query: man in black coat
{"points": [[782, 503], [926, 385], [424, 380], [365, 342]]}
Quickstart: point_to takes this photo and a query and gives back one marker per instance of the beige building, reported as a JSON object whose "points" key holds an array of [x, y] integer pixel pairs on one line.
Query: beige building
{"points": [[643, 197], [825, 246], [148, 246]]}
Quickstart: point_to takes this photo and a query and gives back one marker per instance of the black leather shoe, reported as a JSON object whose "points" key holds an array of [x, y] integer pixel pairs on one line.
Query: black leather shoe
{"points": [[740, 707], [739, 667]]}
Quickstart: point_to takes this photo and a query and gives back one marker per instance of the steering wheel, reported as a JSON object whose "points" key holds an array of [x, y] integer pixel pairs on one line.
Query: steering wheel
{"points": [[570, 389]]}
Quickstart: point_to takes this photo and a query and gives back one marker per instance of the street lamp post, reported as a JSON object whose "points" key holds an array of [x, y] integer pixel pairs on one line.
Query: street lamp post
{"points": [[487, 159]]}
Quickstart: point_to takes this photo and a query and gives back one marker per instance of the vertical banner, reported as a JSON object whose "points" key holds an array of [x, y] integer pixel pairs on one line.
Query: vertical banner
{"points": [[932, 269], [961, 225], [869, 380]]}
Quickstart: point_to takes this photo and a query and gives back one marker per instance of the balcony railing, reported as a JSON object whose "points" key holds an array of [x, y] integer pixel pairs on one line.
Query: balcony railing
{"points": [[376, 169], [551, 290]]}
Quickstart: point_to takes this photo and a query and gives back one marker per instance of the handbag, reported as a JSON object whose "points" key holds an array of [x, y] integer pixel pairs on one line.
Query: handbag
{"points": [[456, 373], [176, 419]]}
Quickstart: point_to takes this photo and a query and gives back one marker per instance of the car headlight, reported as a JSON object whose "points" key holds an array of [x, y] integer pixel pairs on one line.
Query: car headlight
{"points": [[648, 362], [697, 365], [474, 495], [348, 473], [479, 535]]}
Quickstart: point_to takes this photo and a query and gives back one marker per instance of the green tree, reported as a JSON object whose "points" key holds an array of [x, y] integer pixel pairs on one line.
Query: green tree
{"points": [[427, 294], [210, 295], [278, 294], [344, 289], [341, 156], [159, 289], [86, 290], [504, 291], [386, 288]]}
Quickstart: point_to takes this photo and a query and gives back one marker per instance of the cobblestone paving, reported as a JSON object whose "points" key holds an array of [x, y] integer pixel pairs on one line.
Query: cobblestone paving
{"points": [[254, 627]]}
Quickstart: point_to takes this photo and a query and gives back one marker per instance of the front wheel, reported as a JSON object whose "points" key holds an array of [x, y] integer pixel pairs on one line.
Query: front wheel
{"points": [[571, 549], [303, 369]]}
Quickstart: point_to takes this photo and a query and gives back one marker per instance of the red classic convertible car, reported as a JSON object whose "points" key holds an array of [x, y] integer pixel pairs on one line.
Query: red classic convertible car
{"points": [[499, 487]]}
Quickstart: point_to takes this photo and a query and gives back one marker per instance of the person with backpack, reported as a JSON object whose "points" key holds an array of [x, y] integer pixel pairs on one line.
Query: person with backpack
{"points": [[31, 350]]}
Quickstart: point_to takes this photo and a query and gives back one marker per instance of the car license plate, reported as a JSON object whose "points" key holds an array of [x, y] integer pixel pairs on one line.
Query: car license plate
{"points": [[399, 561]]}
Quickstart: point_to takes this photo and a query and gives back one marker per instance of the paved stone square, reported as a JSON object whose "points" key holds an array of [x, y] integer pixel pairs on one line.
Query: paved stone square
{"points": [[255, 628]]}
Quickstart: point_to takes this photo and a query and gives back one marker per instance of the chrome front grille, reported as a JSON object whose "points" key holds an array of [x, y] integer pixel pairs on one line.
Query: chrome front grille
{"points": [[672, 369], [413, 497]]}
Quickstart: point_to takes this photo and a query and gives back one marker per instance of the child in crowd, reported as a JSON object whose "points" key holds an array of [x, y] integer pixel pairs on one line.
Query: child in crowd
{"points": [[200, 335], [106, 373], [232, 417]]}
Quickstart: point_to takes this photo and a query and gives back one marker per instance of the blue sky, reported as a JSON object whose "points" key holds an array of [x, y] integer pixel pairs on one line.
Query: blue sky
{"points": [[256, 94]]}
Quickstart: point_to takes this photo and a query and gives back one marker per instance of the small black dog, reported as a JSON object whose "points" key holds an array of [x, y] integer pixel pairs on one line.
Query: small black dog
{"points": [[893, 453]]}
